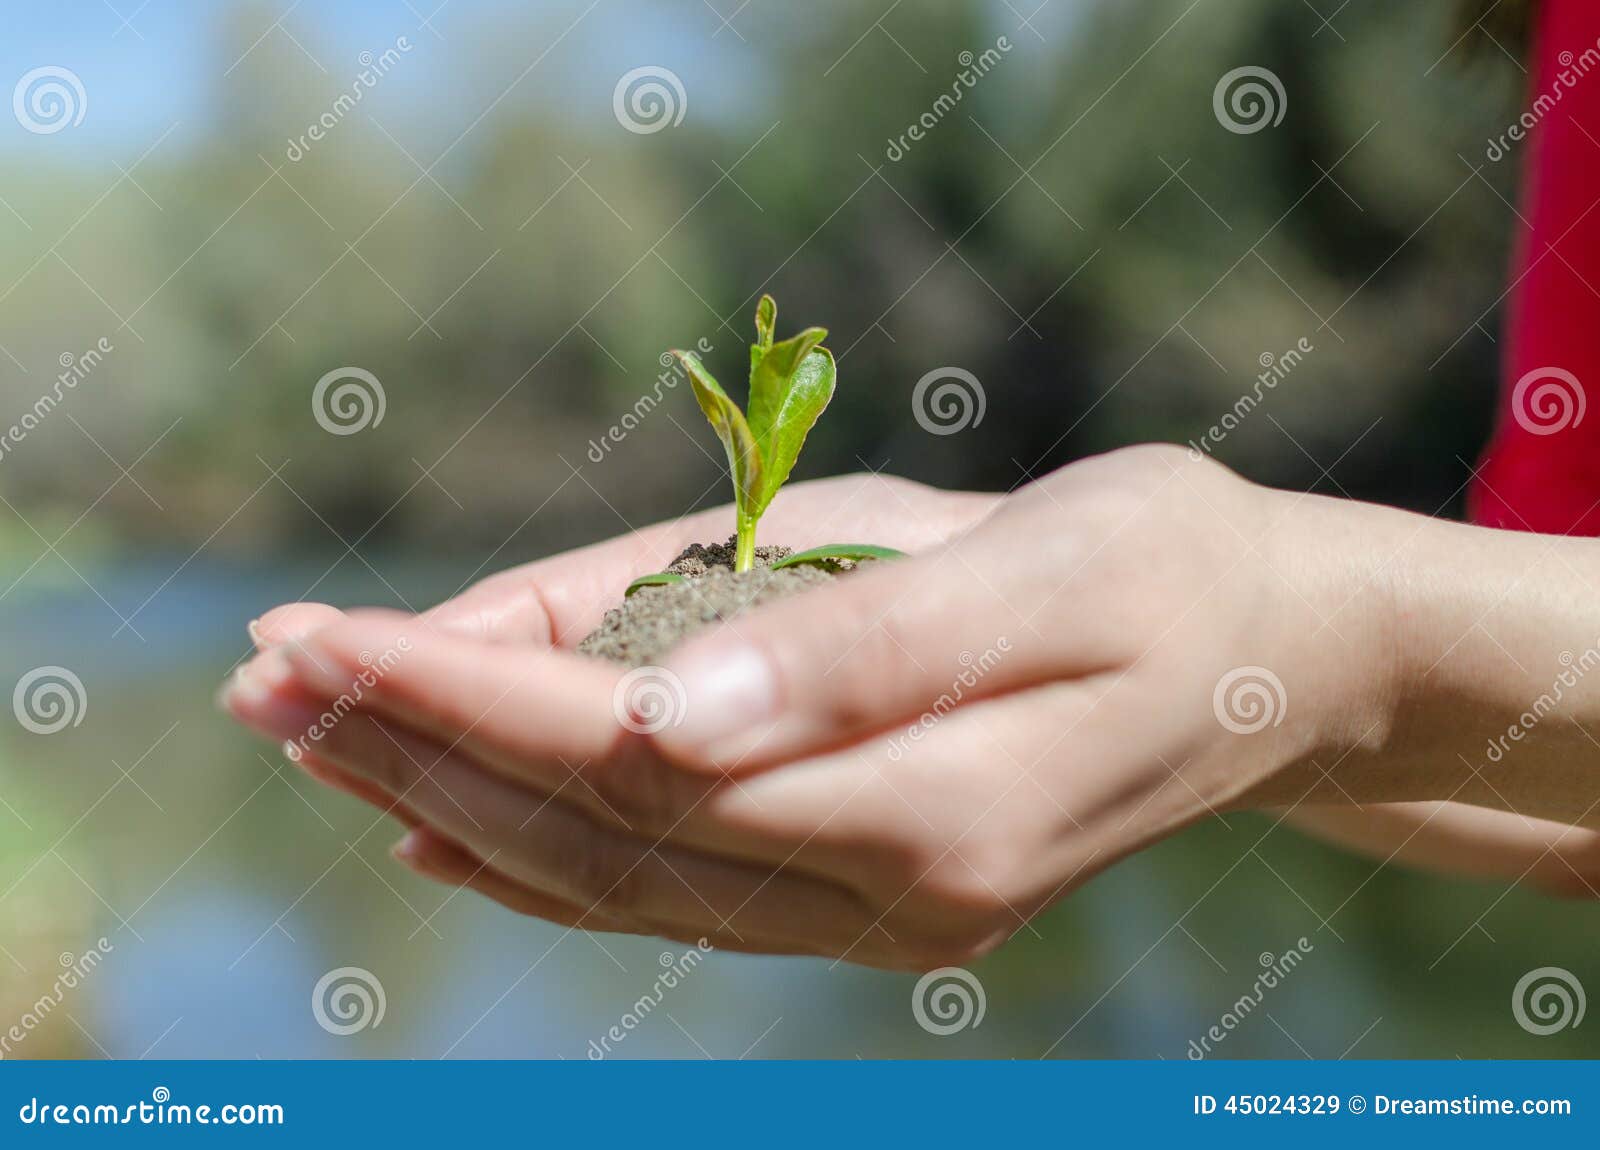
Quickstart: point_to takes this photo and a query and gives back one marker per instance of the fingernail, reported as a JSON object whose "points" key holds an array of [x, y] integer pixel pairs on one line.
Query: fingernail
{"points": [[253, 629], [729, 691], [408, 848], [268, 671]]}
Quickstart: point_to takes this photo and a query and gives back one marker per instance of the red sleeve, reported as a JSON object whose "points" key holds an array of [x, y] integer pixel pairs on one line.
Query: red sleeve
{"points": [[1542, 469]]}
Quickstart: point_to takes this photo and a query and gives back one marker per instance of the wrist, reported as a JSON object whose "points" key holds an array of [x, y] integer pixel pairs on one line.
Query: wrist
{"points": [[1501, 682], [1472, 665], [1346, 643]]}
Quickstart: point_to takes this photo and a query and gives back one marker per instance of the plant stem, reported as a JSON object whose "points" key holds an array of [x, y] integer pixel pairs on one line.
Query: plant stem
{"points": [[744, 556]]}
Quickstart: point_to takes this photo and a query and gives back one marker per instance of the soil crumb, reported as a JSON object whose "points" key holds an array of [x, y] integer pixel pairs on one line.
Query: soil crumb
{"points": [[655, 619]]}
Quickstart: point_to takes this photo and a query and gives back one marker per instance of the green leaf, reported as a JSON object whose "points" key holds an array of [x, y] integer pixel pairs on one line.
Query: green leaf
{"points": [[766, 320], [834, 552], [788, 390], [744, 456], [659, 579]]}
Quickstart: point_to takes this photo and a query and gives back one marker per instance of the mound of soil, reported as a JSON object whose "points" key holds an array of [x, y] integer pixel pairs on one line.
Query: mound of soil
{"points": [[653, 620]]}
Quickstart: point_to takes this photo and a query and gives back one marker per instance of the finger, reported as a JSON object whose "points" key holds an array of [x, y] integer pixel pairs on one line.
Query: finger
{"points": [[441, 859], [264, 697], [545, 721], [875, 649], [562, 853], [1006, 795], [434, 857], [290, 622], [550, 705], [353, 785]]}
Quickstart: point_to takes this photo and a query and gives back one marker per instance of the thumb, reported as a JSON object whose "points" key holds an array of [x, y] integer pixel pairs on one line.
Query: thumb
{"points": [[827, 667]]}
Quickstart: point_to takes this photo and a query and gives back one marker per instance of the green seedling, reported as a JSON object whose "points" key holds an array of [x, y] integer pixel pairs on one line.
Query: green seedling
{"points": [[791, 381], [830, 555], [659, 579]]}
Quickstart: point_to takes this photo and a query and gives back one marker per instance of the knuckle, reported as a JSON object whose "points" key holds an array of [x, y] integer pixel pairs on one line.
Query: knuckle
{"points": [[1153, 462], [973, 880]]}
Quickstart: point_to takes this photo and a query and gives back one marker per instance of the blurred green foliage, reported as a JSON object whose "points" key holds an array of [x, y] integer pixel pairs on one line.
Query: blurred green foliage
{"points": [[514, 298]]}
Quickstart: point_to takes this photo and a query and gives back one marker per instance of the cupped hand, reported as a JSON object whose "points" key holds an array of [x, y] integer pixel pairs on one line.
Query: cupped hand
{"points": [[535, 610], [899, 769]]}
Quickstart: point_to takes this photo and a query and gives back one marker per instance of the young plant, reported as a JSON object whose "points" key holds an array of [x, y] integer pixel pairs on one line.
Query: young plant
{"points": [[791, 381]]}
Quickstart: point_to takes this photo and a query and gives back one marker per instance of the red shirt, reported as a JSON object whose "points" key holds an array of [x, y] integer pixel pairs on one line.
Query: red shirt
{"points": [[1542, 469]]}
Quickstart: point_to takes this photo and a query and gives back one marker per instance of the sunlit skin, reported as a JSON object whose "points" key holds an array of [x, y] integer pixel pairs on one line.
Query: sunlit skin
{"points": [[788, 812]]}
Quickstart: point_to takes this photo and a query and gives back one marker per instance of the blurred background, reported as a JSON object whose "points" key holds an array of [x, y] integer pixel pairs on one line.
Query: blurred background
{"points": [[507, 250]]}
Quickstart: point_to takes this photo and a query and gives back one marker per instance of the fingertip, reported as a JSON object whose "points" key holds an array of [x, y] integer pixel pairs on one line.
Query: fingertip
{"points": [[326, 659], [409, 847], [727, 699], [291, 622], [434, 856]]}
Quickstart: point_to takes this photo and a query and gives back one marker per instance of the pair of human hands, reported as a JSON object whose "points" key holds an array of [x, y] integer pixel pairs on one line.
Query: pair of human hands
{"points": [[899, 769]]}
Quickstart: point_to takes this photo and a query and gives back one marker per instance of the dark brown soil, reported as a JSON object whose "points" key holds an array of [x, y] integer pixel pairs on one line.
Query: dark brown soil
{"points": [[655, 619]]}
